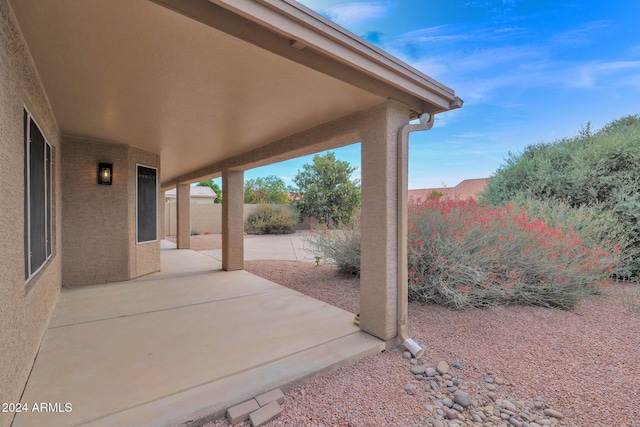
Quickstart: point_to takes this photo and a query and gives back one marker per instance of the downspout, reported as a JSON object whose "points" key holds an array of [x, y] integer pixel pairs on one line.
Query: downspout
{"points": [[426, 123]]}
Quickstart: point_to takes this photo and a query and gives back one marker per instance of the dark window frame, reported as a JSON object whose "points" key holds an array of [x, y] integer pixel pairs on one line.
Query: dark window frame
{"points": [[38, 188], [148, 233]]}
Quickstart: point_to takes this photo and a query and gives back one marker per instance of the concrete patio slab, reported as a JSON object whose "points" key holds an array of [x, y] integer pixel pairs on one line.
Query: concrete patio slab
{"points": [[290, 247], [182, 345]]}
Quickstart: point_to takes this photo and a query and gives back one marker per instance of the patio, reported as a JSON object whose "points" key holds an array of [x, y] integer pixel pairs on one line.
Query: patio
{"points": [[182, 344]]}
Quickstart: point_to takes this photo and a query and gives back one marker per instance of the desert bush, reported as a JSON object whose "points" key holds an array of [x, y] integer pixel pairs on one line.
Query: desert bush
{"points": [[338, 244], [269, 219], [631, 299], [596, 227], [462, 254], [598, 169]]}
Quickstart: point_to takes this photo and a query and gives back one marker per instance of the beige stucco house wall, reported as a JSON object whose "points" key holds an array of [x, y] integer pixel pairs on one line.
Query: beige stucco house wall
{"points": [[93, 256], [24, 309]]}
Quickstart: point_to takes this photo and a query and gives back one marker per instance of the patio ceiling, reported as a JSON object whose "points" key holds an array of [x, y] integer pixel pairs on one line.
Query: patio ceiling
{"points": [[204, 84]]}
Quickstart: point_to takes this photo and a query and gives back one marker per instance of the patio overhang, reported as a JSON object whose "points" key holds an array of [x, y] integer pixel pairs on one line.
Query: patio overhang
{"points": [[216, 79]]}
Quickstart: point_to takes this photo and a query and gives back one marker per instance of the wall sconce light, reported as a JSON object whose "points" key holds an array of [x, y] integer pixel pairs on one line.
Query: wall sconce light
{"points": [[105, 173]]}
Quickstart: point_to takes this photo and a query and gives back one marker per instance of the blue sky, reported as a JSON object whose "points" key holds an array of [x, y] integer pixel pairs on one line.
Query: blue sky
{"points": [[529, 71]]}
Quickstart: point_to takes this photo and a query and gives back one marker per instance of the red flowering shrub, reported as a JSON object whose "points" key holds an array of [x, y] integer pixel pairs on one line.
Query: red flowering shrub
{"points": [[462, 254]]}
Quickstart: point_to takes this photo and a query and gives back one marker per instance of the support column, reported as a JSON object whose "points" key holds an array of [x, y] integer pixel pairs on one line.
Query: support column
{"points": [[232, 220], [183, 216], [379, 223], [162, 224]]}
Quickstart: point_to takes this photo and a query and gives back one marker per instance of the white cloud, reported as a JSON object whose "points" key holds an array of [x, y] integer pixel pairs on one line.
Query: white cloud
{"points": [[353, 15], [580, 35], [437, 34], [616, 72]]}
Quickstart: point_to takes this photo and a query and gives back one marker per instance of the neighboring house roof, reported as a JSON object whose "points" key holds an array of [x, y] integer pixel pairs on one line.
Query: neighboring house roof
{"points": [[469, 188], [196, 191]]}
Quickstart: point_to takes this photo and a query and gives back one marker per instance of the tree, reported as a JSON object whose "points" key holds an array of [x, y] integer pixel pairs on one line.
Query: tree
{"points": [[270, 189], [327, 192], [215, 187]]}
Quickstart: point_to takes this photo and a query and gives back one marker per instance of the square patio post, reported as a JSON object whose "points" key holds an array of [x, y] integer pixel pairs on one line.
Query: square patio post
{"points": [[183, 215], [379, 222], [232, 220], [162, 228]]}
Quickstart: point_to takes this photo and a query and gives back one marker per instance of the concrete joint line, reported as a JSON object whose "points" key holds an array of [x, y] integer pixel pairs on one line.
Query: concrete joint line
{"points": [[169, 308]]}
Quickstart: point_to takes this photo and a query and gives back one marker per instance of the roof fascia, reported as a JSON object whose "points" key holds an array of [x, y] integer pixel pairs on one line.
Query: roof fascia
{"points": [[326, 31]]}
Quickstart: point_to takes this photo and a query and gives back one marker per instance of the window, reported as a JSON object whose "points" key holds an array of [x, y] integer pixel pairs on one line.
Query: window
{"points": [[37, 198], [147, 204]]}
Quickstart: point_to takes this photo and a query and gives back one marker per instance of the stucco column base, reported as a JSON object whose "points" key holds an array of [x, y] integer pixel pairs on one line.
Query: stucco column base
{"points": [[392, 343], [232, 220], [183, 214], [379, 222]]}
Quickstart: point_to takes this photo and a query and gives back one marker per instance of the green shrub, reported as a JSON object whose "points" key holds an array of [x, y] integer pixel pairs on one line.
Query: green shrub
{"points": [[268, 219], [599, 170], [337, 245], [465, 255]]}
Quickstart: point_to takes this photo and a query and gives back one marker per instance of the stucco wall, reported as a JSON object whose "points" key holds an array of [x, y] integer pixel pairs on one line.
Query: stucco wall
{"points": [[207, 217], [92, 255], [99, 221], [24, 310]]}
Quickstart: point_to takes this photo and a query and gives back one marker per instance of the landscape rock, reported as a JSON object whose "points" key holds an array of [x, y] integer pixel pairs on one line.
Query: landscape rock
{"points": [[514, 422], [442, 367], [448, 403], [417, 370], [410, 389], [553, 413], [462, 398]]}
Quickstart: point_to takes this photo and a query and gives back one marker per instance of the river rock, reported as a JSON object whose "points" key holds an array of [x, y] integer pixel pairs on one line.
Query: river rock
{"points": [[410, 389], [442, 367], [553, 413], [417, 370], [461, 398]]}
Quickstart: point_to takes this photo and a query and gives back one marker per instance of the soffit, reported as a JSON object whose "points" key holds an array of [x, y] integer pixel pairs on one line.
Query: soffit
{"points": [[138, 73]]}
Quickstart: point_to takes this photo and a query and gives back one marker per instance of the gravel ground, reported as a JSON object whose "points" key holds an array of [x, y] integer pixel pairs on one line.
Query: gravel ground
{"points": [[583, 363]]}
